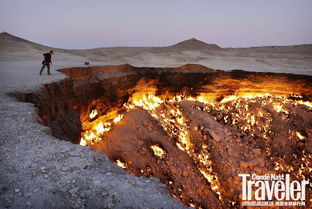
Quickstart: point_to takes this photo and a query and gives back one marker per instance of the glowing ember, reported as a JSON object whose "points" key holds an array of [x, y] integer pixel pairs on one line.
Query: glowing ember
{"points": [[280, 108], [158, 151], [93, 114], [300, 136], [83, 142], [118, 118], [121, 164], [307, 103]]}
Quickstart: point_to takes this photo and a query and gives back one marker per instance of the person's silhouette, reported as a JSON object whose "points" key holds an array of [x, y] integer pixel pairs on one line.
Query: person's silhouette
{"points": [[46, 62]]}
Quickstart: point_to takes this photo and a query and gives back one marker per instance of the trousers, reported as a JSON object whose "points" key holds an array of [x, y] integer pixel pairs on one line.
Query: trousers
{"points": [[45, 64]]}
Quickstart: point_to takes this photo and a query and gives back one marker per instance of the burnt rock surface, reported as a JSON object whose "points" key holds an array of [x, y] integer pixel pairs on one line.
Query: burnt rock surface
{"points": [[61, 104], [139, 131], [261, 135]]}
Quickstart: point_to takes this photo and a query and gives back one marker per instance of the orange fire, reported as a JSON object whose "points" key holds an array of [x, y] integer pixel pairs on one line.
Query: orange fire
{"points": [[225, 95]]}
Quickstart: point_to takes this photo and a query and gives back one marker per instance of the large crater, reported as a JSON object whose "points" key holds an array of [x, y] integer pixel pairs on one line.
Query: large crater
{"points": [[192, 127]]}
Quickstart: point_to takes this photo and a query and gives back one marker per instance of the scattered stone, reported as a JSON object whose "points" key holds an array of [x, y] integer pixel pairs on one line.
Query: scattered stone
{"points": [[3, 190], [45, 176], [97, 182], [82, 195], [74, 190], [88, 166], [110, 205], [75, 205], [88, 192], [104, 194], [17, 190], [97, 158], [43, 169], [74, 196], [63, 189]]}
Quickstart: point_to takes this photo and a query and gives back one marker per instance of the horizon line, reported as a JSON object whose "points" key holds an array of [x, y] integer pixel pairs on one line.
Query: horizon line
{"points": [[154, 46]]}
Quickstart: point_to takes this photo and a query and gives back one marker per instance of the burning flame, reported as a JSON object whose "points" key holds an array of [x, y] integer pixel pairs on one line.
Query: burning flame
{"points": [[118, 118], [93, 114], [233, 110], [121, 164], [158, 151], [300, 136], [278, 107]]}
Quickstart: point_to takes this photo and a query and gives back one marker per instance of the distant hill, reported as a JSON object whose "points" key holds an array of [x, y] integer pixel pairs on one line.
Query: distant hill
{"points": [[10, 42], [15, 48], [194, 44]]}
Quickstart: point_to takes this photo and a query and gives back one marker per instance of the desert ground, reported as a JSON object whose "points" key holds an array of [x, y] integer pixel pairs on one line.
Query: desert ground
{"points": [[284, 59], [39, 171]]}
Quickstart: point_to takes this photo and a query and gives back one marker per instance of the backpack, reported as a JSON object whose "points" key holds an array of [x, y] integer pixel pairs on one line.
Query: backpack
{"points": [[45, 54]]}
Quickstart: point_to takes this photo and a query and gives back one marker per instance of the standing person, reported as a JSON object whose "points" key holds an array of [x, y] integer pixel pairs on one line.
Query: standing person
{"points": [[46, 62]]}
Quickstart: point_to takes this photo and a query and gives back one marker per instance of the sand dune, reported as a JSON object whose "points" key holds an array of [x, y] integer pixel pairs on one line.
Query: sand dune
{"points": [[195, 45]]}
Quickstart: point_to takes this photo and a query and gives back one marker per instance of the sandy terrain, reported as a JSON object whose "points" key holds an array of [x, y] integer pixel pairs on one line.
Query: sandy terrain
{"points": [[285, 59], [39, 171]]}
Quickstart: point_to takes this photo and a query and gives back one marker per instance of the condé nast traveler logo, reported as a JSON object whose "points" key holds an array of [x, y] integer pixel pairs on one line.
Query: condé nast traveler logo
{"points": [[272, 190]]}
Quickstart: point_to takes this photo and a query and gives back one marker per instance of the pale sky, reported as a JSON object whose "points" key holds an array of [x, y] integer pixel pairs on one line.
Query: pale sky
{"points": [[98, 23]]}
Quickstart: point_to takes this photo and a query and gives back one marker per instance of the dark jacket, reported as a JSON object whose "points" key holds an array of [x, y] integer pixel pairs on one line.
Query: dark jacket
{"points": [[47, 57]]}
